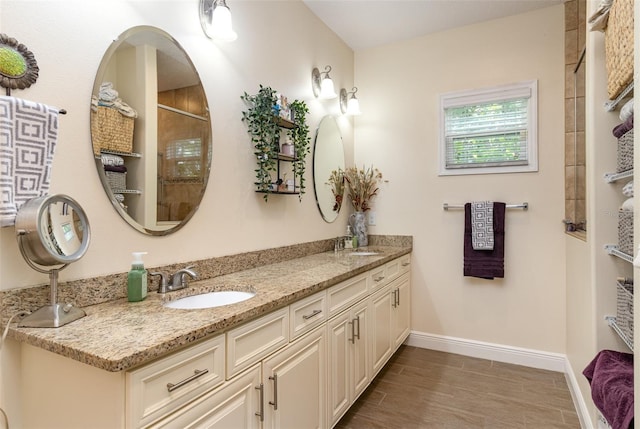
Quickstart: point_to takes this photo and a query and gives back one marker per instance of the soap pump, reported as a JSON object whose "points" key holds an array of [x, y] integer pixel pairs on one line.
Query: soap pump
{"points": [[137, 279], [348, 239]]}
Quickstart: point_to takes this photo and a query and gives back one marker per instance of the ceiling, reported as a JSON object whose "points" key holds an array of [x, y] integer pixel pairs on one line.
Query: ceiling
{"points": [[364, 24]]}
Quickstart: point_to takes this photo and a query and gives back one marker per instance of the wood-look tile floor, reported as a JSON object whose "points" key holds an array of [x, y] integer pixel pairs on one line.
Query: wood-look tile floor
{"points": [[421, 388]]}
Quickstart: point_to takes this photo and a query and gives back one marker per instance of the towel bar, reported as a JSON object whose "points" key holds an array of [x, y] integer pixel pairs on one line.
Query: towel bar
{"points": [[523, 206]]}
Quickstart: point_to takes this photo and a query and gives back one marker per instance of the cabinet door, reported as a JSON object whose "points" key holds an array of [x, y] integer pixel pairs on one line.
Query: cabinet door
{"points": [[401, 314], [381, 347], [236, 404], [360, 350], [295, 384], [339, 337]]}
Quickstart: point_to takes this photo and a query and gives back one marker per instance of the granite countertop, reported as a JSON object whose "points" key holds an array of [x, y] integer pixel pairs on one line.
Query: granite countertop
{"points": [[119, 335]]}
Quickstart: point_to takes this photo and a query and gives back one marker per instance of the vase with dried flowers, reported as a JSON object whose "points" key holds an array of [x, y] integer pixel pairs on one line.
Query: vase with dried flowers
{"points": [[336, 181], [363, 186]]}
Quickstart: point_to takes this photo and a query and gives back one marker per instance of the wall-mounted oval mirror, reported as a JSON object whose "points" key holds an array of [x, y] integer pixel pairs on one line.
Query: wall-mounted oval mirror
{"points": [[151, 131], [328, 156]]}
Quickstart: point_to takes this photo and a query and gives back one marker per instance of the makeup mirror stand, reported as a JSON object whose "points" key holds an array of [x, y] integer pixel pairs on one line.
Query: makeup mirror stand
{"points": [[55, 314]]}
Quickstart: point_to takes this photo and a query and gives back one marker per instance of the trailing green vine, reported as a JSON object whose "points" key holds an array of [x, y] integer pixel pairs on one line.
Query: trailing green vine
{"points": [[262, 124], [265, 135], [301, 141]]}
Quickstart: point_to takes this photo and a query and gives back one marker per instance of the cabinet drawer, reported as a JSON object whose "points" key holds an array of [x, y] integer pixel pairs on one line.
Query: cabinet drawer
{"points": [[346, 293], [249, 343], [405, 264], [307, 313], [157, 389], [233, 405], [378, 278]]}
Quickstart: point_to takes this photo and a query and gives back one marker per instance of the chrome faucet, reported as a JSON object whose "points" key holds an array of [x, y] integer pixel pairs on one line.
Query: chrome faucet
{"points": [[178, 280]]}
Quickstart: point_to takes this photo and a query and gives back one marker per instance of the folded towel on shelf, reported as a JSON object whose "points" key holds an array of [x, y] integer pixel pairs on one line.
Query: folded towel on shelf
{"points": [[610, 375], [107, 92], [482, 225], [485, 264], [109, 97], [623, 128], [110, 159], [28, 137], [626, 111], [115, 168], [627, 205]]}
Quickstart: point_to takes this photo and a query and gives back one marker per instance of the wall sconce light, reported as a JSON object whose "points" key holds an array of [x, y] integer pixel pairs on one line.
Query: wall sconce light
{"points": [[322, 87], [349, 104], [215, 18]]}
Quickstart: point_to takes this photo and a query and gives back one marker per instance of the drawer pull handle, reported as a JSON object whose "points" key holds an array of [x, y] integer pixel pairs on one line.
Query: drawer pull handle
{"points": [[275, 392], [261, 412], [309, 316], [378, 279], [196, 374], [404, 264], [357, 319]]}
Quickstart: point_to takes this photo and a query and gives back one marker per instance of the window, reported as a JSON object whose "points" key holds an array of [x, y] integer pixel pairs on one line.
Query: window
{"points": [[492, 130], [184, 159]]}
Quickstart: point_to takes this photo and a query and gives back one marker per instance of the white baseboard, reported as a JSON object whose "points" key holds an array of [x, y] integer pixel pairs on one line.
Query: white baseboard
{"points": [[578, 400], [497, 352], [508, 354]]}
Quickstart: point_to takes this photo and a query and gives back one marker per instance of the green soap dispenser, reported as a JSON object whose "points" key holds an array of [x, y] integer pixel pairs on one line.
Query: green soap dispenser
{"points": [[137, 279]]}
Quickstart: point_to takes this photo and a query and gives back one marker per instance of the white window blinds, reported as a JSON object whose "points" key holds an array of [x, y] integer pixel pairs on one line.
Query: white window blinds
{"points": [[489, 128]]}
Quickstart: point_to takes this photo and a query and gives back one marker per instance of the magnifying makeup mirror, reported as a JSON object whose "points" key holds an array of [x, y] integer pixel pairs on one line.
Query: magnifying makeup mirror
{"points": [[52, 230]]}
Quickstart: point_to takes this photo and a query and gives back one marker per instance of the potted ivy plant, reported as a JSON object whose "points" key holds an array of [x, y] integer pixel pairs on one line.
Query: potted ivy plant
{"points": [[264, 127]]}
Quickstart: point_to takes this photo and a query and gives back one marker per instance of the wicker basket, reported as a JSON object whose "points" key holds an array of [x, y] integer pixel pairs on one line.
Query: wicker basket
{"points": [[625, 231], [624, 309], [117, 181], [111, 130], [625, 152], [619, 47]]}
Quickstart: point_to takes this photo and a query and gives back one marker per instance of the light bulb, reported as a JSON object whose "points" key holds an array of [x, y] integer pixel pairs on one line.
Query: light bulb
{"points": [[353, 107]]}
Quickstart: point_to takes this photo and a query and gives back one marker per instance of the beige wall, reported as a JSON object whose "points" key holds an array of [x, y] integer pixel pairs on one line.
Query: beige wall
{"points": [[399, 88], [278, 45]]}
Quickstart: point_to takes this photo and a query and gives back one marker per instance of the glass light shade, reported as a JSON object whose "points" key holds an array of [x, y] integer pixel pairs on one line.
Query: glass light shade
{"points": [[353, 107], [327, 90], [221, 27]]}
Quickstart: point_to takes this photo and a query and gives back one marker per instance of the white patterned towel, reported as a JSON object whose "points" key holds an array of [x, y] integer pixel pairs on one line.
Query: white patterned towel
{"points": [[482, 225], [28, 136]]}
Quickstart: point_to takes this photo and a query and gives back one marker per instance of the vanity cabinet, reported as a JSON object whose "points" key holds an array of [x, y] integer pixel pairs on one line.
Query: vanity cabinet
{"points": [[300, 366]]}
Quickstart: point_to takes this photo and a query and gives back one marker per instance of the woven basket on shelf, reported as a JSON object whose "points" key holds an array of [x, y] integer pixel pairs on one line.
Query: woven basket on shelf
{"points": [[117, 181], [625, 152], [111, 130], [625, 231], [624, 309], [619, 47]]}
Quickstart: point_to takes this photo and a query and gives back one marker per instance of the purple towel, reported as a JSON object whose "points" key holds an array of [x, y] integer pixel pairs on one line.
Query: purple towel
{"points": [[623, 128], [485, 264], [610, 374]]}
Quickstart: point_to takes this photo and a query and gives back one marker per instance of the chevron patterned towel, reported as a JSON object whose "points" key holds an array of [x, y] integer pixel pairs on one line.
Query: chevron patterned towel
{"points": [[28, 136], [482, 225]]}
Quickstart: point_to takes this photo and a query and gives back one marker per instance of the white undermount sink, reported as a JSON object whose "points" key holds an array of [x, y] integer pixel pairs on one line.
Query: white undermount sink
{"points": [[363, 253], [209, 300]]}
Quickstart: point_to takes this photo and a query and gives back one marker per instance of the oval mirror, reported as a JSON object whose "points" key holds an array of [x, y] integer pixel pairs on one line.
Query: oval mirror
{"points": [[328, 156], [151, 131]]}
